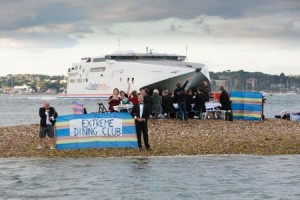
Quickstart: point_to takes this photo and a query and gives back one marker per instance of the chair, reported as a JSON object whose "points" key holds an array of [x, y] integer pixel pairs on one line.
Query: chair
{"points": [[102, 108]]}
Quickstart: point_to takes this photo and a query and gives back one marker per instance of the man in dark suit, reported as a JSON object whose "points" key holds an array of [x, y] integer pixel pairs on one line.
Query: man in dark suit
{"points": [[141, 112], [48, 116], [200, 100], [224, 99], [167, 103]]}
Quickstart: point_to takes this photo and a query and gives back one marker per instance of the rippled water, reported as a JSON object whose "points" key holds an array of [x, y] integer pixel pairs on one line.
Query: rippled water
{"points": [[234, 177], [24, 109]]}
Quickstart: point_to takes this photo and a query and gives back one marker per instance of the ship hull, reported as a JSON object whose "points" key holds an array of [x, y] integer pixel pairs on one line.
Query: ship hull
{"points": [[98, 79]]}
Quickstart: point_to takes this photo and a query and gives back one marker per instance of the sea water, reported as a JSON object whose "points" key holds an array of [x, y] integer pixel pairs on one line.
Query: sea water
{"points": [[23, 109], [233, 177]]}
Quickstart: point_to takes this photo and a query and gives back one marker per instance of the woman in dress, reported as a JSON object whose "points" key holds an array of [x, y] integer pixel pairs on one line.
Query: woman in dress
{"points": [[114, 100]]}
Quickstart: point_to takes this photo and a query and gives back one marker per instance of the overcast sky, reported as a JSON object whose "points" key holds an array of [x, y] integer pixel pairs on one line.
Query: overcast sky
{"points": [[46, 37]]}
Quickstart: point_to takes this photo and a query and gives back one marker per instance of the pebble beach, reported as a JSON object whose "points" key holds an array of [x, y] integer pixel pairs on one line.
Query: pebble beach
{"points": [[172, 137]]}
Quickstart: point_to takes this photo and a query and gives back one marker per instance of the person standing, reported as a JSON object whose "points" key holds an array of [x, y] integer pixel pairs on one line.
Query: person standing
{"points": [[224, 99], [179, 97], [47, 122], [200, 100], [189, 100], [147, 97], [140, 113]]}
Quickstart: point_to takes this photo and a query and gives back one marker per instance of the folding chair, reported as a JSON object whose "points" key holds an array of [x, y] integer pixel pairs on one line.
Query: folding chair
{"points": [[102, 108]]}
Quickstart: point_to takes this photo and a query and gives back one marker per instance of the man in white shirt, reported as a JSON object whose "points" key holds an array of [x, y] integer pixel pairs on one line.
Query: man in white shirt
{"points": [[48, 116], [141, 113]]}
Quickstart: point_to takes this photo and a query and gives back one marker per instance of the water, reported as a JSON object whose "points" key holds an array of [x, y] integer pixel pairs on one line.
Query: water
{"points": [[234, 177], [24, 109]]}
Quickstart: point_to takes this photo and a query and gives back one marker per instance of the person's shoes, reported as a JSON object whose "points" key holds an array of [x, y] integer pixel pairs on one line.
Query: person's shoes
{"points": [[52, 147], [140, 149], [148, 149], [39, 147]]}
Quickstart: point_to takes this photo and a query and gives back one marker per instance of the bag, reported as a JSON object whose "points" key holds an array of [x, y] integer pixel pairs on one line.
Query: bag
{"points": [[295, 117], [228, 116]]}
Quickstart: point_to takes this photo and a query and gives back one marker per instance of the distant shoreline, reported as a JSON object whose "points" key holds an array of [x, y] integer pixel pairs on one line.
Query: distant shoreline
{"points": [[172, 138]]}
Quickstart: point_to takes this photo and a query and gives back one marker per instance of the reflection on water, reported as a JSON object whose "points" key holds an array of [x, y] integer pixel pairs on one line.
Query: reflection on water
{"points": [[204, 177], [141, 163]]}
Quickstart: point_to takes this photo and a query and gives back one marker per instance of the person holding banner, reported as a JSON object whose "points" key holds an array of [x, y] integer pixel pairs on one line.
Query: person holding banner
{"points": [[48, 116], [141, 112]]}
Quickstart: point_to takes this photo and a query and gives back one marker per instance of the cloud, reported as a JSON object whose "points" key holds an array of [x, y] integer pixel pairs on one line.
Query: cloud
{"points": [[33, 21]]}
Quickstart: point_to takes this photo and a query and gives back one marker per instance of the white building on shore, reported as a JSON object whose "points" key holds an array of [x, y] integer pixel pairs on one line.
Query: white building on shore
{"points": [[24, 89]]}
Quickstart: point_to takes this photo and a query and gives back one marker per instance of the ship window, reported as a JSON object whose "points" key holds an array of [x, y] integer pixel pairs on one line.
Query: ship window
{"points": [[80, 67], [98, 59], [72, 80], [97, 69], [86, 80], [76, 67]]}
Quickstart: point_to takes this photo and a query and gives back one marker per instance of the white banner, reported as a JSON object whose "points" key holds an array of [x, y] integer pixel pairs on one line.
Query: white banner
{"points": [[96, 127]]}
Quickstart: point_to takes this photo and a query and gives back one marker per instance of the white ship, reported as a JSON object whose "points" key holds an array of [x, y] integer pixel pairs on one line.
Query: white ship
{"points": [[96, 77]]}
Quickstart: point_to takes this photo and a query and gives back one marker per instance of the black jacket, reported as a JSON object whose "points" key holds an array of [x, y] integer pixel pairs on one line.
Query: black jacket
{"points": [[179, 94], [167, 104], [148, 100], [136, 111], [200, 100], [43, 116], [225, 101]]}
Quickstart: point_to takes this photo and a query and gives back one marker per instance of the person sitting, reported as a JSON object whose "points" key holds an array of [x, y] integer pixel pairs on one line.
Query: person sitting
{"points": [[124, 98], [200, 100], [167, 103], [114, 100], [156, 104]]}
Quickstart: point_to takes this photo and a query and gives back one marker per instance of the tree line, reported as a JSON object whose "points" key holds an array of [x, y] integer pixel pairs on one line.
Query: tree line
{"points": [[232, 80]]}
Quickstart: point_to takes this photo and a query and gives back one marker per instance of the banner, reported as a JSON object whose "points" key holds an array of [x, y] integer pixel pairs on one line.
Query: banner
{"points": [[246, 105], [107, 130]]}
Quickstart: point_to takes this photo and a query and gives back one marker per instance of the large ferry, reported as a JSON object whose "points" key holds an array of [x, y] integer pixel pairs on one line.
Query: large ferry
{"points": [[96, 77]]}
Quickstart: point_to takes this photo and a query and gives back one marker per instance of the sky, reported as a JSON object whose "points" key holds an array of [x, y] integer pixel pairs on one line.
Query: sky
{"points": [[47, 37]]}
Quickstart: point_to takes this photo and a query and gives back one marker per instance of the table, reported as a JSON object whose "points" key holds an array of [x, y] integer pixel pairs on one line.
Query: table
{"points": [[211, 111], [208, 105], [212, 105], [126, 107]]}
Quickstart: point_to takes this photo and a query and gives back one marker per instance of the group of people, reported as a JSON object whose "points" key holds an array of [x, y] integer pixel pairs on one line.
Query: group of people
{"points": [[163, 106], [144, 107]]}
